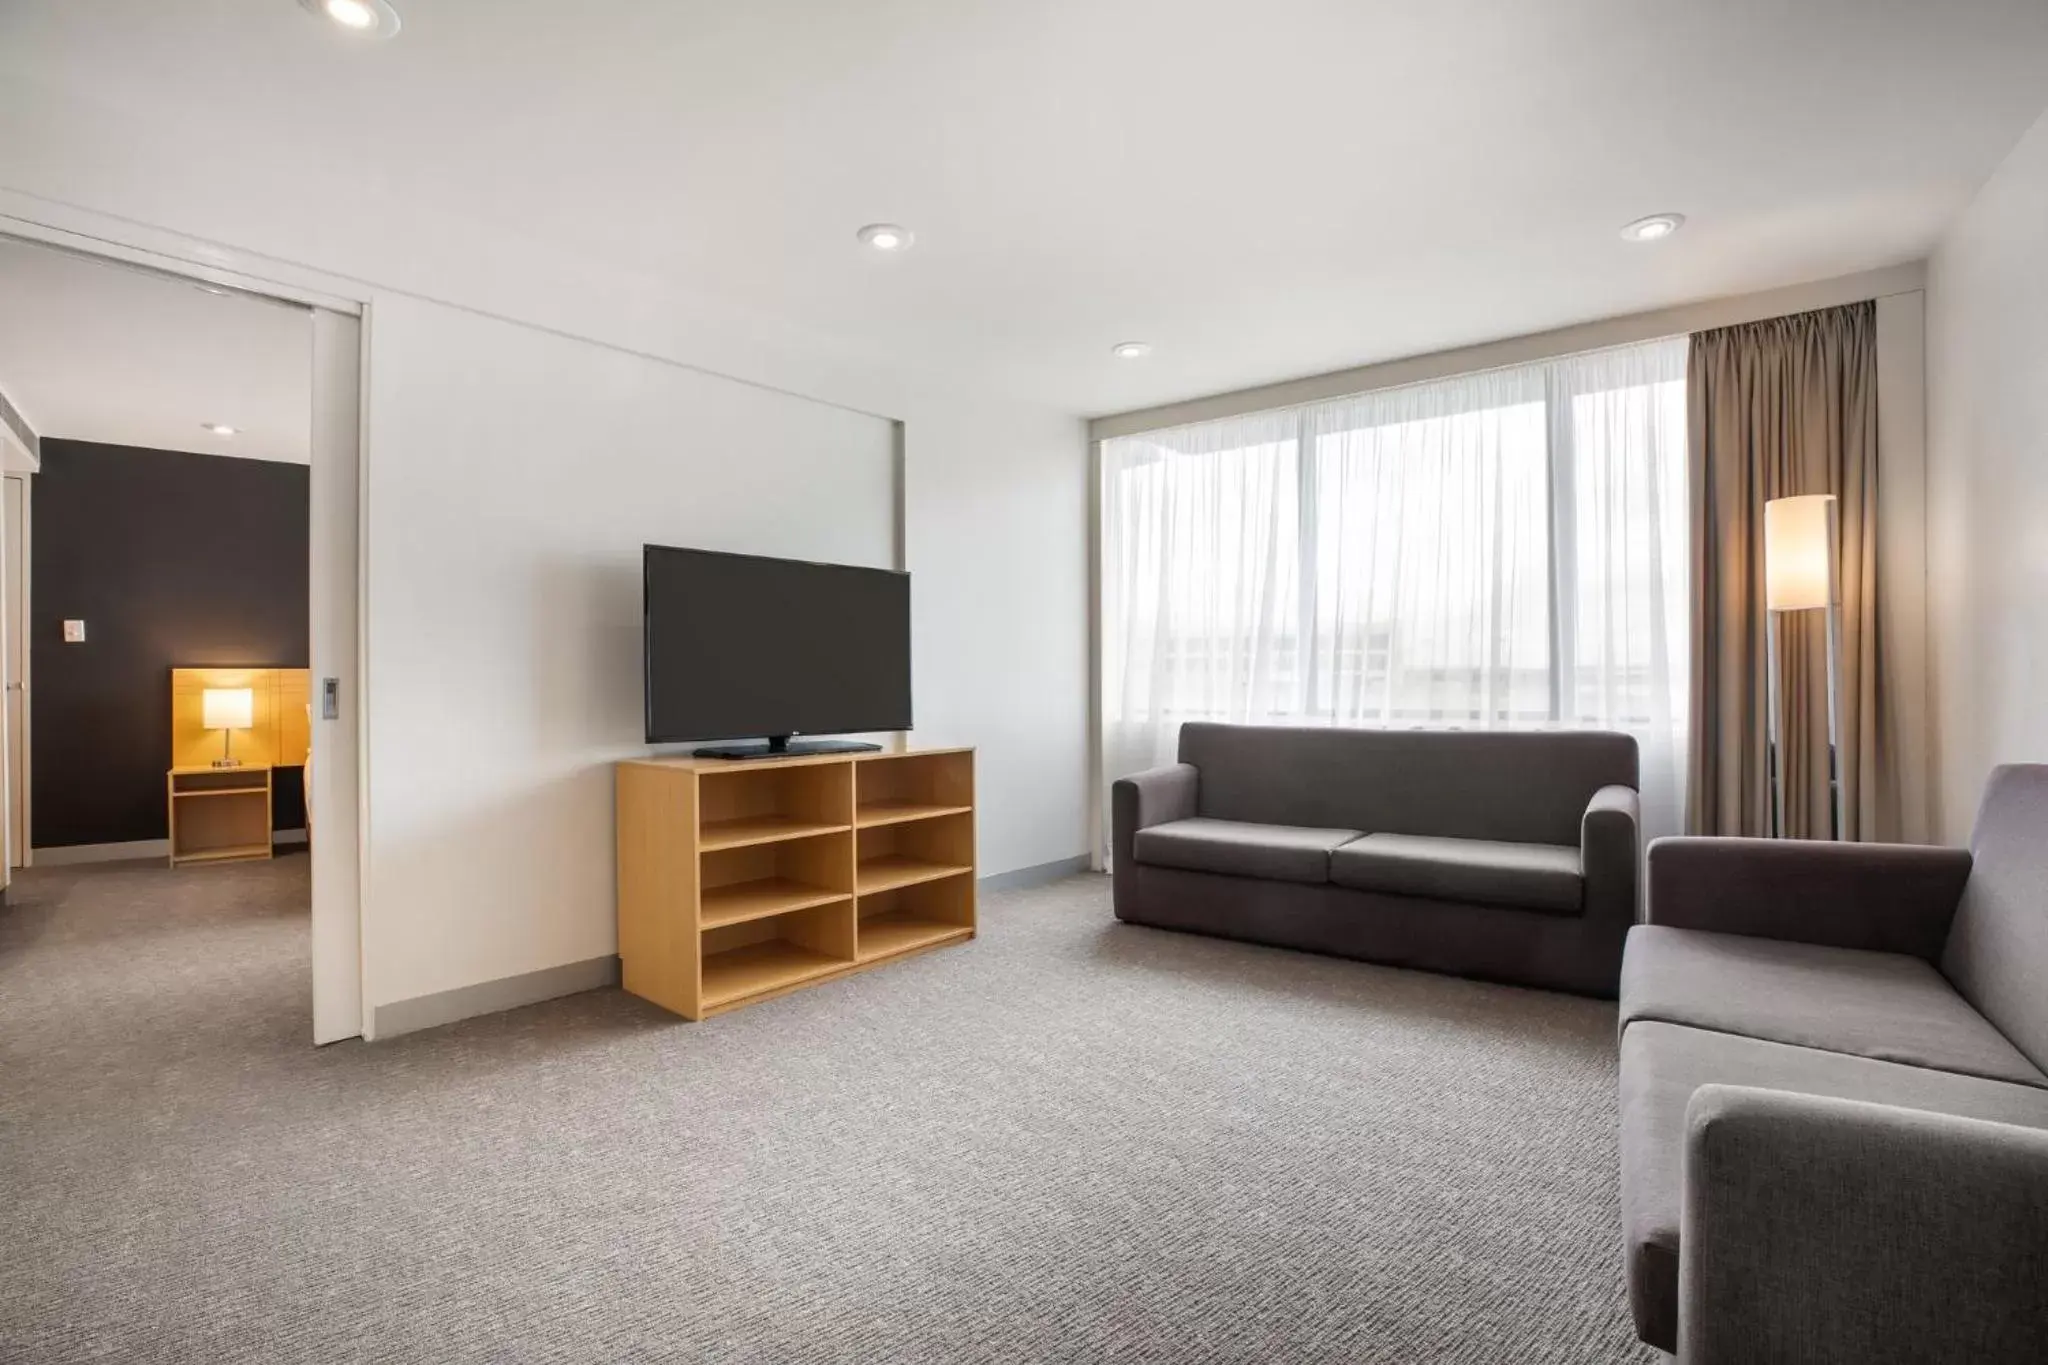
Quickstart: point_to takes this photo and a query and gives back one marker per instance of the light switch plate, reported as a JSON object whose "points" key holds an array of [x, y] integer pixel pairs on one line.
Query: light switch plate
{"points": [[74, 632]]}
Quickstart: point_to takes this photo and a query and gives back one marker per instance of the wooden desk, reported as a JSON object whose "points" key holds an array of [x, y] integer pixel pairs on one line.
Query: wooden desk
{"points": [[219, 814]]}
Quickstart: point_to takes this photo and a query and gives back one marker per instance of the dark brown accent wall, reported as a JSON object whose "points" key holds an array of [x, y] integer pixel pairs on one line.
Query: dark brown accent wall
{"points": [[172, 561]]}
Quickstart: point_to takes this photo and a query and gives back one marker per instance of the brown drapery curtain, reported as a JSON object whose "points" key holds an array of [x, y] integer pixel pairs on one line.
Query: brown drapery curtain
{"points": [[1779, 408]]}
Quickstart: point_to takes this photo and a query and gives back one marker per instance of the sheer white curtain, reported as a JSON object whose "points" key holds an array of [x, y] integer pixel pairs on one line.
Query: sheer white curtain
{"points": [[1503, 549]]}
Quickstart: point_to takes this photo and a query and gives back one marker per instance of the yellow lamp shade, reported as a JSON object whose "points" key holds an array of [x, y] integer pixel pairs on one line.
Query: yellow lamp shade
{"points": [[227, 708], [1799, 560]]}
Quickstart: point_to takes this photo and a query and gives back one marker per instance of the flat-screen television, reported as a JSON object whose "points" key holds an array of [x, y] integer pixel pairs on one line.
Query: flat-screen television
{"points": [[744, 646]]}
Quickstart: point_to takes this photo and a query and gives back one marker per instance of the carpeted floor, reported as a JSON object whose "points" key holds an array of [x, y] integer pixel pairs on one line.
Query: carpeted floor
{"points": [[1070, 1141]]}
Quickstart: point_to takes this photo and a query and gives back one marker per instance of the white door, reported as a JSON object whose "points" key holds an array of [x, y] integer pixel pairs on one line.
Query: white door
{"points": [[14, 569], [333, 816]]}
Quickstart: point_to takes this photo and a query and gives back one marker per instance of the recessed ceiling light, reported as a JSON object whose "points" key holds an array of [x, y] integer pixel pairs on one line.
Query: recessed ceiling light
{"points": [[371, 18], [220, 428], [1131, 350], [887, 236], [1655, 228]]}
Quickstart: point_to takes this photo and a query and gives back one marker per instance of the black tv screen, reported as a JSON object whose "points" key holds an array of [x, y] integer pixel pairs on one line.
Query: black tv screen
{"points": [[742, 646]]}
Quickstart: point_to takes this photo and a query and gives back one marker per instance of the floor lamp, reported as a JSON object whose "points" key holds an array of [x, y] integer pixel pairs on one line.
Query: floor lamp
{"points": [[1799, 575]]}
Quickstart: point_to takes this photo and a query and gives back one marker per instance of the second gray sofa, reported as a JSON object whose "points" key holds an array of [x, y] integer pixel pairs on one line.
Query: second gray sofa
{"points": [[1509, 855]]}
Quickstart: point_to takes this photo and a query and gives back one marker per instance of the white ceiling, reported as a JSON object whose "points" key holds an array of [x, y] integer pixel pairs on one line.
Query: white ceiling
{"points": [[1259, 190], [98, 352]]}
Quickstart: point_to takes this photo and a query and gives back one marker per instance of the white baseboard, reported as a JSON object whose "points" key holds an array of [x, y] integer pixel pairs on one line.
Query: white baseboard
{"points": [[67, 855], [1023, 878], [490, 997]]}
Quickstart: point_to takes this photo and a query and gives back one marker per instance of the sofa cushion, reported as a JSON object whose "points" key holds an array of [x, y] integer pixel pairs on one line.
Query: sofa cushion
{"points": [[1288, 853], [1886, 1006], [1542, 877], [1662, 1064]]}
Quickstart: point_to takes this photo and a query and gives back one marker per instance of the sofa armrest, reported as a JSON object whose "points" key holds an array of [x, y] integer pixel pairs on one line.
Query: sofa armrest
{"points": [[1828, 1230], [1149, 798], [1893, 898], [1610, 853]]}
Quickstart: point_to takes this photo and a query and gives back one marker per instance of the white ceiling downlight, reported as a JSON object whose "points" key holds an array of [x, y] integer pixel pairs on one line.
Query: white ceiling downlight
{"points": [[220, 428], [1131, 350], [887, 236], [370, 18], [1655, 228]]}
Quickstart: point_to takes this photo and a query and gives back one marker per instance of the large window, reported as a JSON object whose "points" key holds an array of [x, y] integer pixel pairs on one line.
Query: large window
{"points": [[1505, 549]]}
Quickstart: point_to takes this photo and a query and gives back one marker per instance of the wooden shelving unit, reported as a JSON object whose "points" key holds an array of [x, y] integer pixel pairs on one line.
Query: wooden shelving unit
{"points": [[743, 880]]}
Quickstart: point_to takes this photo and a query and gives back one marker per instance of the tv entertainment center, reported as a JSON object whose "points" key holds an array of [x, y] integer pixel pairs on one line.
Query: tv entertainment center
{"points": [[751, 870]]}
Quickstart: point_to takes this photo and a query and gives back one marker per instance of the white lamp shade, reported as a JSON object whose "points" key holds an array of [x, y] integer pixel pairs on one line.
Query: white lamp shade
{"points": [[227, 708], [1799, 561]]}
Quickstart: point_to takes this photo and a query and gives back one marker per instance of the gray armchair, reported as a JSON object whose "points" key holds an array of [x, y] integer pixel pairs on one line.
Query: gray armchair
{"points": [[1822, 1229], [1834, 1109]]}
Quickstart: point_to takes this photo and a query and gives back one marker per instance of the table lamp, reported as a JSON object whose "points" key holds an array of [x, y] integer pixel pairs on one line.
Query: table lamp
{"points": [[1799, 575], [227, 709]]}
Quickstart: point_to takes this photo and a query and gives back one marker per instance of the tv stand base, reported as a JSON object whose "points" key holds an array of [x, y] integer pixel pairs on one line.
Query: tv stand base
{"points": [[783, 746]]}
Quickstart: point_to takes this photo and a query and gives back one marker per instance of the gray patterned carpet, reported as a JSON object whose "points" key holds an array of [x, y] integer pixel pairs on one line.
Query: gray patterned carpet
{"points": [[1070, 1141]]}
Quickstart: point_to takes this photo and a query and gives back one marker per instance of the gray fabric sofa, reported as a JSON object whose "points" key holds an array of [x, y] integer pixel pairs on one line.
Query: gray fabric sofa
{"points": [[1834, 1113], [1510, 855]]}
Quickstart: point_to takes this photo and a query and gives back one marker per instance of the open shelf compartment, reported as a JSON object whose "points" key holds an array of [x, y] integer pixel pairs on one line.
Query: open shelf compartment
{"points": [[895, 788], [220, 781], [918, 916], [754, 881], [908, 852], [757, 956], [219, 814], [739, 806]]}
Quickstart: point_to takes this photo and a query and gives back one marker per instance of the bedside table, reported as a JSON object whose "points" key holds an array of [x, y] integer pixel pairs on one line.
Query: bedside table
{"points": [[219, 815]]}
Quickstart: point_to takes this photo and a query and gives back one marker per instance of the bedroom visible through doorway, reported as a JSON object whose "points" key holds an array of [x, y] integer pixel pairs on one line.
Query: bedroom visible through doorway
{"points": [[164, 596]]}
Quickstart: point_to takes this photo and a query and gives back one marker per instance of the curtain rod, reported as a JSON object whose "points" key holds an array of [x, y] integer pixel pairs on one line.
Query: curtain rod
{"points": [[1627, 329]]}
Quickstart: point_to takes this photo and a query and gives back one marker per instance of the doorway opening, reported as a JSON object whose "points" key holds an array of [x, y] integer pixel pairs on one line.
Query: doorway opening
{"points": [[179, 551]]}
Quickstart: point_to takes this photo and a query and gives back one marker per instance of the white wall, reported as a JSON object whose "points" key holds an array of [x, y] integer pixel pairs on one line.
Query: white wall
{"points": [[999, 575], [998, 553], [15, 456], [15, 435], [1988, 481], [514, 476]]}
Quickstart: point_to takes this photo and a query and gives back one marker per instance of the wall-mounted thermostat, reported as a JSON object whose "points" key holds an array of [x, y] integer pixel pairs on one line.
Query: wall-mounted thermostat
{"points": [[74, 632]]}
